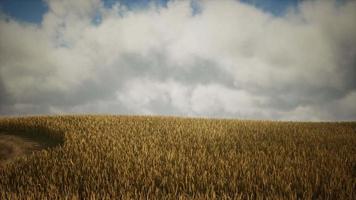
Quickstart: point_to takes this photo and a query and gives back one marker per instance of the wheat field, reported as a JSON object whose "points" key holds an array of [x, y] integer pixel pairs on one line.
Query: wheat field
{"points": [[143, 157]]}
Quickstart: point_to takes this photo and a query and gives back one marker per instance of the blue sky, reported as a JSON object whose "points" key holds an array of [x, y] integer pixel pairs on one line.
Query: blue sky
{"points": [[33, 10], [24, 10]]}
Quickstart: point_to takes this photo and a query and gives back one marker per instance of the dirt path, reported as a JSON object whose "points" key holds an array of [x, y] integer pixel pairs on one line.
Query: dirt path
{"points": [[13, 145]]}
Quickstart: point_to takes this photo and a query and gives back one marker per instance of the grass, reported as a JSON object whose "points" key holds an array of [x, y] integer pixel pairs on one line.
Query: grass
{"points": [[12, 146], [127, 157]]}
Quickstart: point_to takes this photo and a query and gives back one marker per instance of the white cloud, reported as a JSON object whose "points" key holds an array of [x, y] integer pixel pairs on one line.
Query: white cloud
{"points": [[230, 60]]}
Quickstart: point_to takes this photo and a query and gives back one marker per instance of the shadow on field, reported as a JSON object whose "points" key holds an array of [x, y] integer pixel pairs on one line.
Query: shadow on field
{"points": [[14, 144]]}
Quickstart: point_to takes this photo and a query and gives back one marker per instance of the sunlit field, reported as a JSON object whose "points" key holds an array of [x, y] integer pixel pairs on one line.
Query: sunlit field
{"points": [[140, 157]]}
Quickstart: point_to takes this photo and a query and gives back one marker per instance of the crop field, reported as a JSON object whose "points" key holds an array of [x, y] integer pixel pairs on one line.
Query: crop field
{"points": [[142, 157]]}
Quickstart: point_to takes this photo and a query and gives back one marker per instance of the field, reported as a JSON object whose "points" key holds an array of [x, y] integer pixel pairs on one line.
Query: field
{"points": [[141, 157]]}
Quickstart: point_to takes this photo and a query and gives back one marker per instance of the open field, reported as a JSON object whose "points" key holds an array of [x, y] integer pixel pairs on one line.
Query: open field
{"points": [[13, 146], [171, 158]]}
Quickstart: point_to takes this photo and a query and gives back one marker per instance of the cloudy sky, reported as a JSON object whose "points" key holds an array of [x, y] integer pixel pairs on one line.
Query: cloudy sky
{"points": [[250, 59]]}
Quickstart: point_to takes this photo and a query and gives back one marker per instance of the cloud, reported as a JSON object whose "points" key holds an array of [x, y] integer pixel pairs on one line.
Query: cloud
{"points": [[230, 59]]}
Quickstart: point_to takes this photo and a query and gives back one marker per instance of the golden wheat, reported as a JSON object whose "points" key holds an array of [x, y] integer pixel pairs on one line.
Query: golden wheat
{"points": [[141, 157]]}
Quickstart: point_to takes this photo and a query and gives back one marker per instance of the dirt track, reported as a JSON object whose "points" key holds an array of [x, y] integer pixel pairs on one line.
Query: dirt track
{"points": [[13, 145]]}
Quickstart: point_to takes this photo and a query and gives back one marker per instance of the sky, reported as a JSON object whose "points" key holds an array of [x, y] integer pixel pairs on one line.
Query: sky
{"points": [[248, 59]]}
